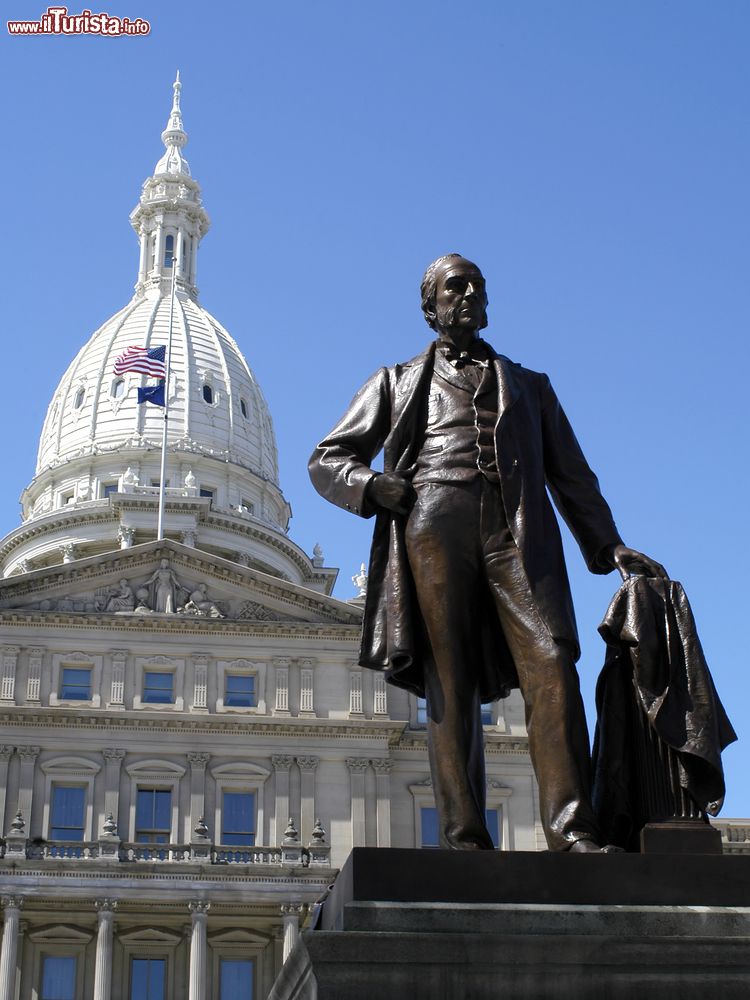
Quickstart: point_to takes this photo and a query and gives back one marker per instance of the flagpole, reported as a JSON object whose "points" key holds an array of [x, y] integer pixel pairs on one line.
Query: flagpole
{"points": [[163, 474]]}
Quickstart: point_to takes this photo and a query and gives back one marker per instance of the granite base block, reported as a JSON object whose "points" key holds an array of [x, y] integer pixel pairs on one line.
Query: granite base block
{"points": [[527, 926]]}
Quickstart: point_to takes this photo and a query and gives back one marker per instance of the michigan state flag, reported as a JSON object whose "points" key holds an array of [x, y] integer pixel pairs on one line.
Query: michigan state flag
{"points": [[152, 394]]}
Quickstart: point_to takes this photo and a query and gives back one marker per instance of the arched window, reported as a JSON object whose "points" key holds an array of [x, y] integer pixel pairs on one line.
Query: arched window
{"points": [[168, 251], [118, 388], [243, 408], [79, 397], [208, 393]]}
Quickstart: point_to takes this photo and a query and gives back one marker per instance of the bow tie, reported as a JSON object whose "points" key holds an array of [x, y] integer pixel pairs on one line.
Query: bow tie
{"points": [[459, 359]]}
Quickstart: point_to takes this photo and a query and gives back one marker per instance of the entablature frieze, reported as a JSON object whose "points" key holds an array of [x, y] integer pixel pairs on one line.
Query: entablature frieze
{"points": [[260, 727]]}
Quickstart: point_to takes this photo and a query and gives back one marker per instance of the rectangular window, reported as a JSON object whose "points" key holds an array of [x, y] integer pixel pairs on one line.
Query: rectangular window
{"points": [[67, 812], [207, 492], [492, 819], [108, 489], [240, 691], [158, 687], [487, 714], [247, 506], [422, 711], [430, 836], [148, 978], [76, 684], [238, 819], [66, 498], [153, 815], [235, 979], [58, 977]]}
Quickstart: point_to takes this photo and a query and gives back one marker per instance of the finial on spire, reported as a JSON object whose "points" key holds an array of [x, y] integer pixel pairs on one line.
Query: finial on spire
{"points": [[174, 137]]}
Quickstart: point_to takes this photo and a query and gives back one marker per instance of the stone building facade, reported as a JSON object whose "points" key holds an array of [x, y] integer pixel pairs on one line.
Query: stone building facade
{"points": [[189, 749]]}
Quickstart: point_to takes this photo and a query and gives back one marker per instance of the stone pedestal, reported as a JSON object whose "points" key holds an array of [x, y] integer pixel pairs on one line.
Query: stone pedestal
{"points": [[443, 925]]}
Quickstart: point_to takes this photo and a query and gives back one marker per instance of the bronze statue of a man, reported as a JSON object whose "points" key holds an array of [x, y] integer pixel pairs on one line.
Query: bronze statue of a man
{"points": [[468, 595]]}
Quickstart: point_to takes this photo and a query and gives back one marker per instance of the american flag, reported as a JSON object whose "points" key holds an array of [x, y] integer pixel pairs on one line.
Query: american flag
{"points": [[147, 361]]}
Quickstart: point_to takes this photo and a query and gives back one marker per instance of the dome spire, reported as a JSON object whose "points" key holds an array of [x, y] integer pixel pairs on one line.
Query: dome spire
{"points": [[174, 138], [169, 218]]}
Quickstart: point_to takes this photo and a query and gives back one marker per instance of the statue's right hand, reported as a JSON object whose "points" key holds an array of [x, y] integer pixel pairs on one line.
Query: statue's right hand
{"points": [[391, 491]]}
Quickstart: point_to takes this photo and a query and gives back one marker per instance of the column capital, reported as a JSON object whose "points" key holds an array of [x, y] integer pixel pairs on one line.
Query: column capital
{"points": [[308, 762], [105, 907], [26, 752], [11, 650], [357, 764], [11, 902], [199, 909], [198, 759], [6, 750], [113, 753], [281, 762], [293, 909], [382, 765]]}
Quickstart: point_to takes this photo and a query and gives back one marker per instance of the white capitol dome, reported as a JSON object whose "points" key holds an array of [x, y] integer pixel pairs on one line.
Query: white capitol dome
{"points": [[98, 467]]}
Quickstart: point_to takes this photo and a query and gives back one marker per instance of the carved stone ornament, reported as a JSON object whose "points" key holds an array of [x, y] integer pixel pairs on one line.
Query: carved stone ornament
{"points": [[252, 611]]}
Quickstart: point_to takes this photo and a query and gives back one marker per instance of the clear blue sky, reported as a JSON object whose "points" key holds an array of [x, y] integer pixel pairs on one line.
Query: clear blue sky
{"points": [[593, 158]]}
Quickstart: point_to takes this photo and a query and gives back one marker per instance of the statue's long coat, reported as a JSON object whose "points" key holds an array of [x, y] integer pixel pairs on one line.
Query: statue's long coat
{"points": [[535, 448]]}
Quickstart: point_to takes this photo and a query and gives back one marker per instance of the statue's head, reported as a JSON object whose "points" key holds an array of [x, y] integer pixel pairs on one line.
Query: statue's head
{"points": [[454, 294], [164, 563]]}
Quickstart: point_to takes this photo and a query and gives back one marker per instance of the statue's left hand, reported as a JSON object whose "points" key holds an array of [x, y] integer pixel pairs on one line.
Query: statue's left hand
{"points": [[630, 561]]}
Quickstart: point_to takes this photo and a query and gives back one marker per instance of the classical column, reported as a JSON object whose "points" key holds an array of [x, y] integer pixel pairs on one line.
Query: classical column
{"points": [[113, 758], [357, 767], [159, 249], [307, 766], [8, 673], [198, 763], [9, 952], [28, 757], [34, 678], [198, 948], [5, 752], [142, 258], [382, 769], [125, 536], [291, 913], [68, 552], [103, 969], [281, 765]]}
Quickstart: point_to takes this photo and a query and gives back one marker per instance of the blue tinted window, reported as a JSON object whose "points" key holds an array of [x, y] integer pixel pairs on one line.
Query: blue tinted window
{"points": [[430, 836], [76, 684], [66, 815], [238, 818], [492, 819], [168, 251], [208, 393], [207, 492], [236, 979], [109, 489], [487, 714], [153, 815], [240, 692], [148, 978], [58, 977], [157, 687], [422, 711]]}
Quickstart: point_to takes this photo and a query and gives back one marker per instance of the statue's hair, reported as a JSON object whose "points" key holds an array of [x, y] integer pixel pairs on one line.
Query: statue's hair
{"points": [[428, 288]]}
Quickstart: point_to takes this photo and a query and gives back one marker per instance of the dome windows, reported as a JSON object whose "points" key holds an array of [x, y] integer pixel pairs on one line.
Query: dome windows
{"points": [[117, 389], [79, 398], [243, 408], [168, 251], [208, 394]]}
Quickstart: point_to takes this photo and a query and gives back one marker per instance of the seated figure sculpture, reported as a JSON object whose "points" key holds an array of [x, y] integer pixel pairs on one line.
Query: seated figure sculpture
{"points": [[467, 593]]}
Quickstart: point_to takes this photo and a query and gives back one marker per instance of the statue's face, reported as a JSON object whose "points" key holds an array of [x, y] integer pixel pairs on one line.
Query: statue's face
{"points": [[461, 298]]}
